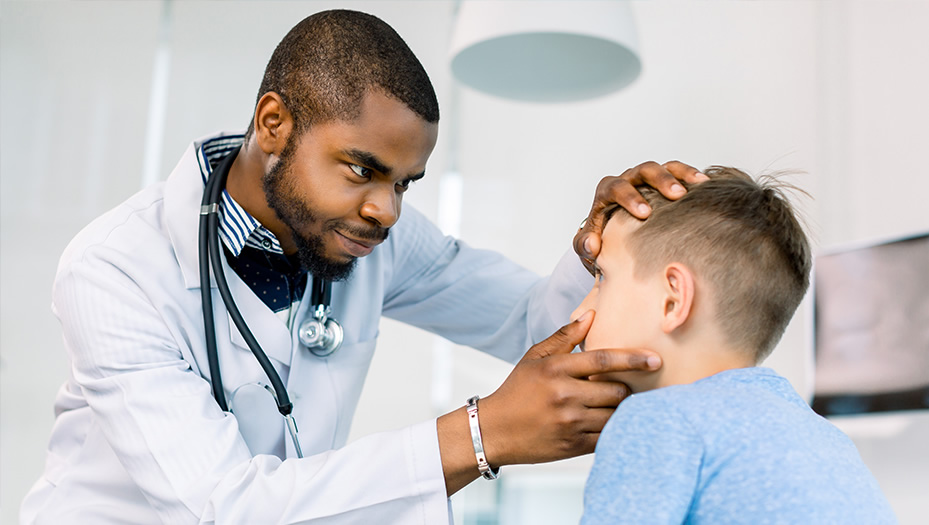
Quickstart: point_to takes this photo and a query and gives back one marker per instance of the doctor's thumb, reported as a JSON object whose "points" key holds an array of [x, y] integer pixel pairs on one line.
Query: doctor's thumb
{"points": [[565, 339]]}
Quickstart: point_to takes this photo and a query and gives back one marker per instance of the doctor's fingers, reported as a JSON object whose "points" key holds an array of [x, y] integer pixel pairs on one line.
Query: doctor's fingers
{"points": [[587, 246], [586, 241], [595, 419], [594, 362], [613, 191], [563, 341], [599, 394], [583, 434], [685, 172], [663, 177], [576, 432]]}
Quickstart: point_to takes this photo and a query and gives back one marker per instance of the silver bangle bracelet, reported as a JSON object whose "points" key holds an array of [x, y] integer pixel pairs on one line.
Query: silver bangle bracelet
{"points": [[482, 465]]}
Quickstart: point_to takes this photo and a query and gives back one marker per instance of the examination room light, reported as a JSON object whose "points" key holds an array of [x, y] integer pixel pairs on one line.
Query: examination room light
{"points": [[545, 51]]}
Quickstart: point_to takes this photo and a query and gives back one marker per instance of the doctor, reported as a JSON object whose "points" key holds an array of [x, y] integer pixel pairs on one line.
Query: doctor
{"points": [[345, 121]]}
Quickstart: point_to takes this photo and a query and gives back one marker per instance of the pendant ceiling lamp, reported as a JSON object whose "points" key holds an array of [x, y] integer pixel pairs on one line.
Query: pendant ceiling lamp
{"points": [[545, 51]]}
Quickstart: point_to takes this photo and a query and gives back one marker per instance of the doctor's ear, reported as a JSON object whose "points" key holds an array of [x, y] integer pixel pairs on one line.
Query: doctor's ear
{"points": [[679, 288], [273, 123]]}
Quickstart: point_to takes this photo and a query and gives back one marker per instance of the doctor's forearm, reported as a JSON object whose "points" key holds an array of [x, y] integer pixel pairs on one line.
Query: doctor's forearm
{"points": [[456, 450]]}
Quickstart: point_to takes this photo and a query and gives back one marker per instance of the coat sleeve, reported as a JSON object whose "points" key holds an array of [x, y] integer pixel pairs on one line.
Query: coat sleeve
{"points": [[475, 297], [187, 457]]}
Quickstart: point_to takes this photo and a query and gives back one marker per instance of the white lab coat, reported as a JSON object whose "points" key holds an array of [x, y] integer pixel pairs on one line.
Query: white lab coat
{"points": [[138, 437]]}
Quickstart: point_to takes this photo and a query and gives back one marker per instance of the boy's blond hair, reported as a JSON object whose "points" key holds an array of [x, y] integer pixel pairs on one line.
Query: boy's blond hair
{"points": [[742, 239]]}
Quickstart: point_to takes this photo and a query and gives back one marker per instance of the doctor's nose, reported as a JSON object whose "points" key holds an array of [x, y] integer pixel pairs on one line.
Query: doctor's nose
{"points": [[382, 207]]}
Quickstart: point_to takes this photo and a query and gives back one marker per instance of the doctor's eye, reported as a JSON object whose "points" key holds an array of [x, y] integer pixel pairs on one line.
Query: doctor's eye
{"points": [[361, 171], [404, 185]]}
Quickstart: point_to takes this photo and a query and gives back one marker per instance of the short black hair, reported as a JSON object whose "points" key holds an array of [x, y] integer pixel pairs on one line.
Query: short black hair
{"points": [[327, 63]]}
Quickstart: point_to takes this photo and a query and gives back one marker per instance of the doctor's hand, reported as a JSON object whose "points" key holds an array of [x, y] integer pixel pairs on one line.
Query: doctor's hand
{"points": [[621, 191], [547, 409]]}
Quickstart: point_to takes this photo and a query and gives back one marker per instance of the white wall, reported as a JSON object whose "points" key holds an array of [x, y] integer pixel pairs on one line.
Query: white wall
{"points": [[833, 89]]}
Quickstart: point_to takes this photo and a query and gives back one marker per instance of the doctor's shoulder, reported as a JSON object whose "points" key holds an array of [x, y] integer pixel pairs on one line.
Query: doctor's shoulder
{"points": [[414, 239], [132, 230]]}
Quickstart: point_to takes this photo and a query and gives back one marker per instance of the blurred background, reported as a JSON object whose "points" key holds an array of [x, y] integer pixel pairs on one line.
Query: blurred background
{"points": [[100, 98]]}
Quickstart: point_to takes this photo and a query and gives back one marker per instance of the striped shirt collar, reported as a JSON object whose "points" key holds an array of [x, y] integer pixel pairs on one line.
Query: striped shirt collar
{"points": [[237, 228]]}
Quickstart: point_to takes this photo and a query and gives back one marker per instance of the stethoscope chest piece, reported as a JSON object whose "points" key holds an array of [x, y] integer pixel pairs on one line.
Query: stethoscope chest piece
{"points": [[321, 334]]}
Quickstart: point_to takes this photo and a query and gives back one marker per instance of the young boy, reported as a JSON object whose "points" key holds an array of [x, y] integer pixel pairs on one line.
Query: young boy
{"points": [[710, 282]]}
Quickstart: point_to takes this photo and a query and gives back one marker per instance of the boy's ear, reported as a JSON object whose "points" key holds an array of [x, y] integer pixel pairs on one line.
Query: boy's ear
{"points": [[273, 123], [678, 283]]}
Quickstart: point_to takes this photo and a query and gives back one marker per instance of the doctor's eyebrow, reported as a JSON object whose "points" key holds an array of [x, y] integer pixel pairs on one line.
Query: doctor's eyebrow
{"points": [[414, 178], [369, 160]]}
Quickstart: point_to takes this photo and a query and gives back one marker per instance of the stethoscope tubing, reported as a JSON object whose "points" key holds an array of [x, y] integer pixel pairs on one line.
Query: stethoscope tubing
{"points": [[208, 211], [210, 256]]}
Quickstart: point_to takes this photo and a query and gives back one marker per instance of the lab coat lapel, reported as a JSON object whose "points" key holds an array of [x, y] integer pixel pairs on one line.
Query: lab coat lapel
{"points": [[183, 194]]}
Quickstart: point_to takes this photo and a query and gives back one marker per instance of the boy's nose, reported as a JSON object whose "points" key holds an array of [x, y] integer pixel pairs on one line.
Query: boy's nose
{"points": [[589, 303]]}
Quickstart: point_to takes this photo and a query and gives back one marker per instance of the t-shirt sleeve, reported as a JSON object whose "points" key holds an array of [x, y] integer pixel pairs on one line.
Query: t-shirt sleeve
{"points": [[646, 465]]}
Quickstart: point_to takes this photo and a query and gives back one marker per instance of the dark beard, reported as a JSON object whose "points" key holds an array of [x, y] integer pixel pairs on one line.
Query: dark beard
{"points": [[282, 199], [312, 259]]}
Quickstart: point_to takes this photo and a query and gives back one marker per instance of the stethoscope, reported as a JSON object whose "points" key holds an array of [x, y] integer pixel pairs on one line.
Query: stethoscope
{"points": [[321, 334]]}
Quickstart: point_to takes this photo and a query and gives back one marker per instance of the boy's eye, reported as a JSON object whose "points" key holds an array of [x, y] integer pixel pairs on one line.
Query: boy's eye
{"points": [[361, 171]]}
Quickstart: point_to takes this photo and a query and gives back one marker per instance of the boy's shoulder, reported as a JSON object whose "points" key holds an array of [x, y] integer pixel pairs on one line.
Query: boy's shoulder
{"points": [[726, 403], [749, 386], [748, 441]]}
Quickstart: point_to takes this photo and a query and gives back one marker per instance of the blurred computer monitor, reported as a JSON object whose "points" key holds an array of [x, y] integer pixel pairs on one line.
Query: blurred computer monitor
{"points": [[871, 327]]}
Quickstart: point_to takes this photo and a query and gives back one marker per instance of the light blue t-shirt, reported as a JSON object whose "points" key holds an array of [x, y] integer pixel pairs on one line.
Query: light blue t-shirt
{"points": [[737, 447]]}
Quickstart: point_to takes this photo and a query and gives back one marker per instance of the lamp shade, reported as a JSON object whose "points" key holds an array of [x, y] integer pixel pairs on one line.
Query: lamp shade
{"points": [[545, 51]]}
